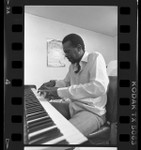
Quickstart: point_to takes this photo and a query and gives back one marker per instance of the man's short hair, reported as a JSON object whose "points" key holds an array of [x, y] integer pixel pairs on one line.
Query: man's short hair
{"points": [[75, 40]]}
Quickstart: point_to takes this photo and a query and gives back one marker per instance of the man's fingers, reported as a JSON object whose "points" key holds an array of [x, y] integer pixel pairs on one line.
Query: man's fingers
{"points": [[44, 88], [41, 93], [41, 87]]}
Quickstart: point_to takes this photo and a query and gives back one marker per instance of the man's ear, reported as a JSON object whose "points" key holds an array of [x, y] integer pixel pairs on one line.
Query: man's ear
{"points": [[79, 47]]}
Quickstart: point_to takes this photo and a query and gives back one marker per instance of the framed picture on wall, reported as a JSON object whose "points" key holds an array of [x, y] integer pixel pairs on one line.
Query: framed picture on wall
{"points": [[55, 54]]}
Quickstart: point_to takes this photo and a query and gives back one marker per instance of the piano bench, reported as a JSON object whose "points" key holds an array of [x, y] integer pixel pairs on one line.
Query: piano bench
{"points": [[101, 136]]}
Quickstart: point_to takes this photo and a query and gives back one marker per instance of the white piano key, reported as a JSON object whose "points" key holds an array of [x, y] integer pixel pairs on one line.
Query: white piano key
{"points": [[34, 113], [41, 131], [54, 141], [37, 119]]}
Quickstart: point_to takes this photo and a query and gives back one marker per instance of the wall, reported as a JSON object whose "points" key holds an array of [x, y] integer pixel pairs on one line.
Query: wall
{"points": [[38, 30], [115, 53]]}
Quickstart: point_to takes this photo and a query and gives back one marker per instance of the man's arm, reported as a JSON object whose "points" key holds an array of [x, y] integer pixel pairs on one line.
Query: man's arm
{"points": [[49, 89], [97, 85]]}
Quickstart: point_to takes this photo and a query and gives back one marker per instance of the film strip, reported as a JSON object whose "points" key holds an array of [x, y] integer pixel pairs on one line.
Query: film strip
{"points": [[127, 127]]}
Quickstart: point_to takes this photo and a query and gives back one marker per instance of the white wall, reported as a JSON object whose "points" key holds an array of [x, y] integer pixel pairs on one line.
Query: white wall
{"points": [[115, 53], [38, 30]]}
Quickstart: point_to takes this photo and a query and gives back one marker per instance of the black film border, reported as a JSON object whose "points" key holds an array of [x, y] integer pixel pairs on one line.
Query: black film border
{"points": [[14, 70]]}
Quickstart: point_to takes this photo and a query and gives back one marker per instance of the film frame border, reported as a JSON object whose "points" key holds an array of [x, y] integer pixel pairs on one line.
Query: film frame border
{"points": [[127, 65]]}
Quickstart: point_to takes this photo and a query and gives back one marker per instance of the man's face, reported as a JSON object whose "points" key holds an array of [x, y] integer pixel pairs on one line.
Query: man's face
{"points": [[72, 53]]}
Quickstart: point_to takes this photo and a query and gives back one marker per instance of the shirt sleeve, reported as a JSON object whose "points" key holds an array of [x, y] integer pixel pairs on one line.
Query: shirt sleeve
{"points": [[97, 85]]}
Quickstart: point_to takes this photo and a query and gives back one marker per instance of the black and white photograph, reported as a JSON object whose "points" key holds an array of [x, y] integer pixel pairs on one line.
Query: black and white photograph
{"points": [[70, 76]]}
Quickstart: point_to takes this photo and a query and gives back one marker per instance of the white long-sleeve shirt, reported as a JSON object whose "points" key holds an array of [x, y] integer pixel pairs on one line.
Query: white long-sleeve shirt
{"points": [[87, 88]]}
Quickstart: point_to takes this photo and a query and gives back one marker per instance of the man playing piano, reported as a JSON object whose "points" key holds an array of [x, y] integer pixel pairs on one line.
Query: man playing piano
{"points": [[85, 85]]}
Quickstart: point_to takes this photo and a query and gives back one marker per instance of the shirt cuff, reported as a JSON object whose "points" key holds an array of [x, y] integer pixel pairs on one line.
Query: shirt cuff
{"points": [[63, 92]]}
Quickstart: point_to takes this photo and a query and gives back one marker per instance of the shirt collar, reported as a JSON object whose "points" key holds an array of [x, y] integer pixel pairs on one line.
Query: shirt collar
{"points": [[84, 59]]}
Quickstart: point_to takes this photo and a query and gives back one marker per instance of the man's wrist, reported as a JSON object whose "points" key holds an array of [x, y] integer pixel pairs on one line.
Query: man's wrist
{"points": [[63, 92], [58, 93]]}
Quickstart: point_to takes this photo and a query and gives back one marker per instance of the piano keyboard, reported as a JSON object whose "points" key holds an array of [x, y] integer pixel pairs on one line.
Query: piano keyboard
{"points": [[45, 125]]}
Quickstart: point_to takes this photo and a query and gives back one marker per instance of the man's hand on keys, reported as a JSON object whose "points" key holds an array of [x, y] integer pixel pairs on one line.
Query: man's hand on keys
{"points": [[49, 93], [51, 83]]}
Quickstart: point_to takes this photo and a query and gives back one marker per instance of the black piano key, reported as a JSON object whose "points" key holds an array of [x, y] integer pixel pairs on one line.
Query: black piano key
{"points": [[30, 96], [39, 122], [34, 108], [40, 127], [46, 136], [32, 114], [29, 111], [33, 111], [36, 116], [38, 119], [30, 101]]}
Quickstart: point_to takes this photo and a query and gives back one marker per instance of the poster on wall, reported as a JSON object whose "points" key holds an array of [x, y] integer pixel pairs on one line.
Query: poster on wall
{"points": [[55, 54]]}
